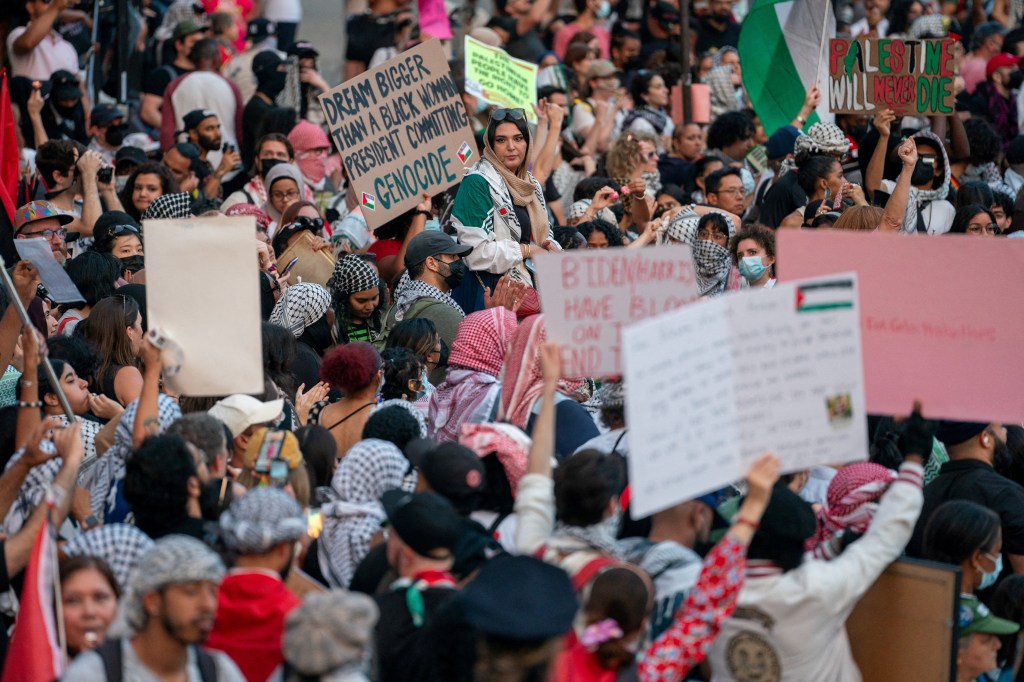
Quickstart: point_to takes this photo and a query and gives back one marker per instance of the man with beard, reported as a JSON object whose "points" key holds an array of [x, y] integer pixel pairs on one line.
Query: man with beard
{"points": [[976, 452], [717, 29], [203, 129], [42, 219], [169, 606], [261, 529]]}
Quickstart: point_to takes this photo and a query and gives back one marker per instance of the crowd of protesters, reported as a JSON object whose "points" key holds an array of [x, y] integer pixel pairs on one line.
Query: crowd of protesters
{"points": [[419, 492]]}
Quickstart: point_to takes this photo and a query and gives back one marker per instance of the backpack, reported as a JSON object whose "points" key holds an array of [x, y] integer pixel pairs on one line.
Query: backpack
{"points": [[113, 662]]}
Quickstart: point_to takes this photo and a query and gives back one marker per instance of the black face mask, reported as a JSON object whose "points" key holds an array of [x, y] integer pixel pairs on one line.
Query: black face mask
{"points": [[923, 172], [633, 64], [1016, 79], [274, 84], [267, 164], [858, 132], [722, 18], [65, 112], [456, 271], [116, 134], [318, 336], [133, 263]]}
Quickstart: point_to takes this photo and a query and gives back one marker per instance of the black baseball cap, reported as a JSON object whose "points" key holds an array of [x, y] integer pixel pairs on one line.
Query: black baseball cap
{"points": [[426, 522], [302, 48], [104, 114], [129, 154], [433, 243], [64, 86], [454, 471], [260, 29], [193, 118], [265, 62]]}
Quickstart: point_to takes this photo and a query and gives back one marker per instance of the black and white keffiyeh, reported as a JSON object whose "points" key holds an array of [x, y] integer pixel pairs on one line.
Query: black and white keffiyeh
{"points": [[352, 274], [262, 519], [409, 290], [169, 206], [300, 306], [711, 260], [119, 544], [369, 469]]}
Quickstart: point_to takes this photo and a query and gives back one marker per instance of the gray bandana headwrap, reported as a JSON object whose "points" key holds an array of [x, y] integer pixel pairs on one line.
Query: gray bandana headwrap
{"points": [[300, 306], [173, 560]]}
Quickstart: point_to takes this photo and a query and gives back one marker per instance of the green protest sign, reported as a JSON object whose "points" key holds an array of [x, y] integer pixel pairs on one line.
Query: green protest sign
{"points": [[911, 77], [499, 79], [402, 130]]}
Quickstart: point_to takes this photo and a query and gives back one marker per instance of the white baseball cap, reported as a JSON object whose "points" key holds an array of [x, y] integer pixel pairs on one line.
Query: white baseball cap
{"points": [[239, 412]]}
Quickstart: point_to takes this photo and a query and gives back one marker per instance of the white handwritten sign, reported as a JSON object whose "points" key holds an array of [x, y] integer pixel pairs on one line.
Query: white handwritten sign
{"points": [[712, 386], [589, 295]]}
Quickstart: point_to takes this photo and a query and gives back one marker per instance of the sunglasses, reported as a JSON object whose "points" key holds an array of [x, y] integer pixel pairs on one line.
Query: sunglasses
{"points": [[509, 114], [119, 230]]}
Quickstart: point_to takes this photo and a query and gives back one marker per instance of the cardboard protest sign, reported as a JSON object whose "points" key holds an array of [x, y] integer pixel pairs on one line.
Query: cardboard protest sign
{"points": [[402, 130], [495, 77], [589, 295], [903, 628], [912, 77], [711, 386], [59, 286], [312, 266], [217, 327], [938, 318]]}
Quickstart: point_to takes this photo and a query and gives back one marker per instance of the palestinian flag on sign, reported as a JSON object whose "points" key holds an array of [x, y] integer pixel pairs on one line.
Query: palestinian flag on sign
{"points": [[830, 295], [369, 202], [779, 46]]}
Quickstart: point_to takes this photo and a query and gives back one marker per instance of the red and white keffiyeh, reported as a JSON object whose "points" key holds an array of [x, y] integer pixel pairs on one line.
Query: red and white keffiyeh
{"points": [[851, 502], [509, 443]]}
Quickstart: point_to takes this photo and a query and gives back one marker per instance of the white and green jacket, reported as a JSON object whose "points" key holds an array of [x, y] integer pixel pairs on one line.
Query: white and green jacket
{"points": [[484, 217]]}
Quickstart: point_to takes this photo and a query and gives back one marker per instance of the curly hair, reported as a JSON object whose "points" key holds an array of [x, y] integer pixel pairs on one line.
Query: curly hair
{"points": [[350, 367], [764, 237], [168, 185], [624, 157], [394, 424], [156, 484], [611, 232]]}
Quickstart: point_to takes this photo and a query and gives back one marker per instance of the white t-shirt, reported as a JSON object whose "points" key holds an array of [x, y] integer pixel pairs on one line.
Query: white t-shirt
{"points": [[937, 215], [287, 11], [53, 53]]}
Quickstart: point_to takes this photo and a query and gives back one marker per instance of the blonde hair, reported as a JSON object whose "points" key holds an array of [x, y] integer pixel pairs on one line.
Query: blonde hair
{"points": [[624, 157], [859, 219]]}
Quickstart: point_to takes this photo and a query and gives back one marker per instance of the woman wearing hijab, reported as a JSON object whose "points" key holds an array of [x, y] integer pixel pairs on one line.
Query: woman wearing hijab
{"points": [[523, 386], [354, 516], [708, 236], [500, 211], [355, 294], [470, 391], [285, 186]]}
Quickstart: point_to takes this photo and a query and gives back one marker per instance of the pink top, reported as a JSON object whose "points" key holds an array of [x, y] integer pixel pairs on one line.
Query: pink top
{"points": [[566, 33], [973, 72]]}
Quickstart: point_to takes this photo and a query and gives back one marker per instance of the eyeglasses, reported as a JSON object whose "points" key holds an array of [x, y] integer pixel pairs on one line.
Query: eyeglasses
{"points": [[730, 190], [650, 156], [975, 228], [284, 196], [119, 230], [509, 114], [47, 234]]}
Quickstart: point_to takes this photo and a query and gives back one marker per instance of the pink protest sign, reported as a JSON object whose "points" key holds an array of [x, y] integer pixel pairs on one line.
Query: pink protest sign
{"points": [[434, 19], [589, 295], [939, 317]]}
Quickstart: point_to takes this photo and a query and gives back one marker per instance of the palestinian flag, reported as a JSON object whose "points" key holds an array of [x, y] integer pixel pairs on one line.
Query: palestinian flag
{"points": [[369, 202], [779, 47], [828, 295]]}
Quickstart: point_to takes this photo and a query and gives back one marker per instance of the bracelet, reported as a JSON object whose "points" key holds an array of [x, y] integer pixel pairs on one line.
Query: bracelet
{"points": [[26, 383], [426, 213], [800, 119], [35, 403], [740, 521]]}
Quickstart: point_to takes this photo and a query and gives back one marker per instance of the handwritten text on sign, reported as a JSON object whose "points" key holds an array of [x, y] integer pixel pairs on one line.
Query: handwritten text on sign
{"points": [[589, 295], [495, 77], [402, 130], [712, 386], [907, 76]]}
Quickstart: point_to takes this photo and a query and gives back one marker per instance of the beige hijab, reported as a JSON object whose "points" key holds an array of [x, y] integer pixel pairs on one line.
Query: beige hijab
{"points": [[520, 187]]}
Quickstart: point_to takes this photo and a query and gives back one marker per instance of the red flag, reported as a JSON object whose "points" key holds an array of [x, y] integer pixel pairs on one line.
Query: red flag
{"points": [[9, 152], [34, 653]]}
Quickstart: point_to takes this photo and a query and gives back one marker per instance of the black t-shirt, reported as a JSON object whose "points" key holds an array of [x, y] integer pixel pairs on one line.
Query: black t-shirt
{"points": [[367, 34], [404, 651], [528, 47], [158, 79], [675, 171], [710, 38], [71, 127], [974, 481], [784, 197], [253, 114]]}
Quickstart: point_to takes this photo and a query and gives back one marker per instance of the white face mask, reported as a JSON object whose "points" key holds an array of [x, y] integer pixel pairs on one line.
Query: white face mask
{"points": [[120, 182]]}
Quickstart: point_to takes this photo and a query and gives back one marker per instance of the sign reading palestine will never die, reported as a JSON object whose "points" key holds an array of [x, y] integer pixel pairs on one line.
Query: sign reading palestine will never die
{"points": [[401, 130]]}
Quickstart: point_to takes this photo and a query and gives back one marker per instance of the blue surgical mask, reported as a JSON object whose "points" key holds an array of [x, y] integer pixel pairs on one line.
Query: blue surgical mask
{"points": [[432, 224], [604, 10], [989, 579], [752, 268]]}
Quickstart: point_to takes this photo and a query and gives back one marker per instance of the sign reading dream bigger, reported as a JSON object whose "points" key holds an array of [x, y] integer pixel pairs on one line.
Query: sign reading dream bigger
{"points": [[402, 130], [908, 76]]}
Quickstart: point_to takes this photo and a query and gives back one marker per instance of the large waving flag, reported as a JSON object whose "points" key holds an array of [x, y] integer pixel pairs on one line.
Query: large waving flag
{"points": [[35, 653], [9, 174], [780, 44]]}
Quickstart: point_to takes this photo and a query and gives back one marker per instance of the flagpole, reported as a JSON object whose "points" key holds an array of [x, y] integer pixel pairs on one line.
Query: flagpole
{"points": [[58, 601], [824, 37], [12, 295]]}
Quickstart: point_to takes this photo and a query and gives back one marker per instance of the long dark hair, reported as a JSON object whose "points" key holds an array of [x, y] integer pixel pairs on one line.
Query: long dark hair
{"points": [[963, 215], [521, 124], [105, 329], [956, 529]]}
